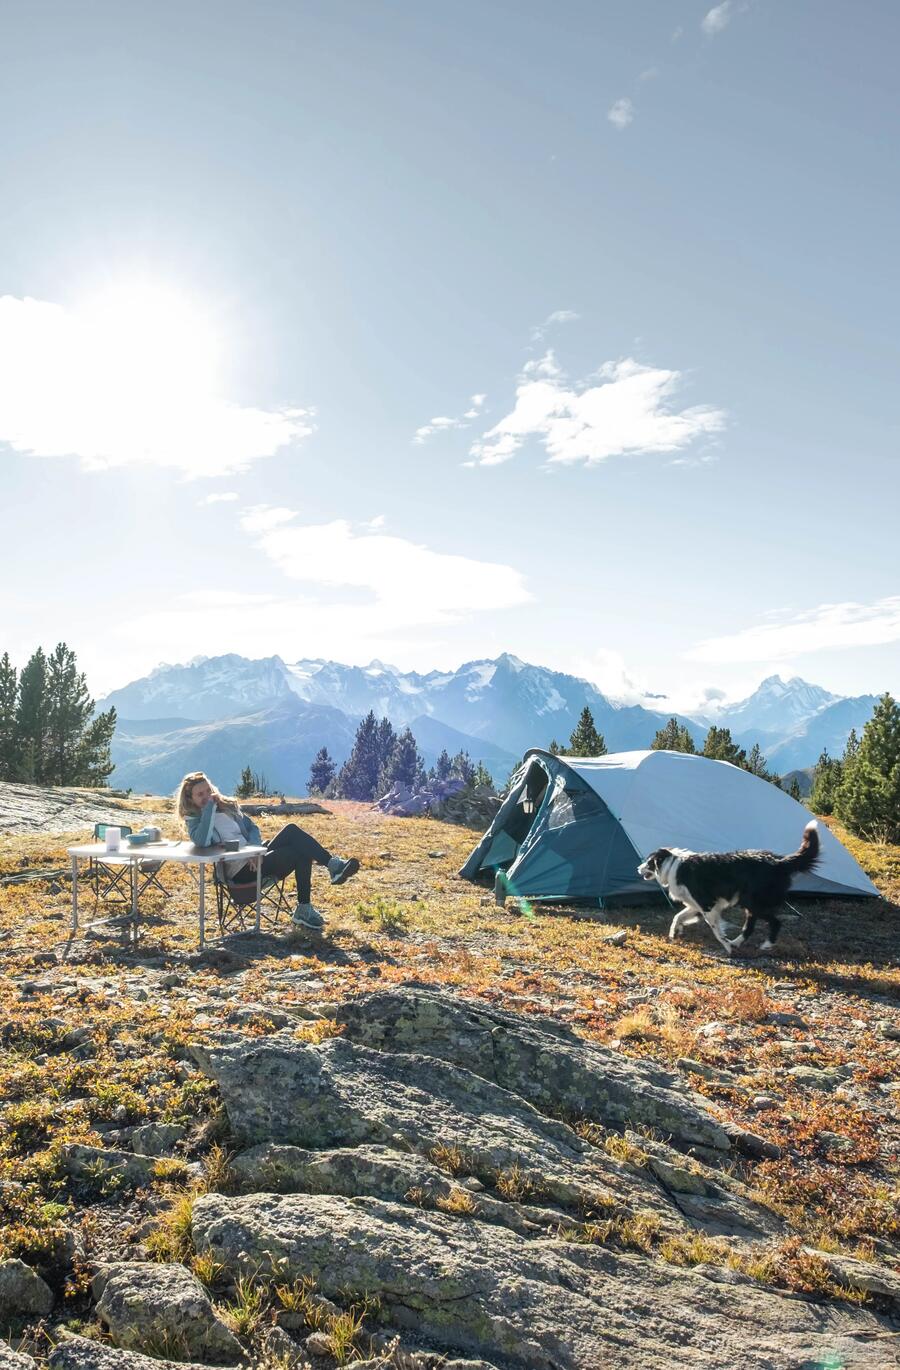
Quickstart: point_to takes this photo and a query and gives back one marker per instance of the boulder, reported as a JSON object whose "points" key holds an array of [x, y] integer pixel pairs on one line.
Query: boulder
{"points": [[79, 1353], [149, 1307], [23, 1294], [340, 1095], [542, 1061], [15, 1360], [156, 1139], [536, 1304]]}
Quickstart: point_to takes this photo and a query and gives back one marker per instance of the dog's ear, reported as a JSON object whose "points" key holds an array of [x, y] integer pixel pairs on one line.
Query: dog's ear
{"points": [[656, 858]]}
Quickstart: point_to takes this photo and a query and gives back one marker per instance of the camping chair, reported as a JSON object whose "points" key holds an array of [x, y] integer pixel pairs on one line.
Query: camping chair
{"points": [[114, 882], [236, 904]]}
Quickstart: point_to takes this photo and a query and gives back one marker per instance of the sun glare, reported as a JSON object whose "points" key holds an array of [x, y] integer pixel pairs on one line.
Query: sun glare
{"points": [[148, 338]]}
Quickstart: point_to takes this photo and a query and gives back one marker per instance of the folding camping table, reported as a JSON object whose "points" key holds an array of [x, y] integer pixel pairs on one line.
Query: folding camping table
{"points": [[181, 853]]}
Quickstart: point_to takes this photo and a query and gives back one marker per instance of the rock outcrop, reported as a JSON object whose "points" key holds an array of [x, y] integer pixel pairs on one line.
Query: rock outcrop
{"points": [[423, 1158]]}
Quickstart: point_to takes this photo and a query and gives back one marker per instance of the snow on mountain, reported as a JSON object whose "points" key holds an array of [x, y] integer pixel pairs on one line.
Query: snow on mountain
{"points": [[776, 707], [502, 706]]}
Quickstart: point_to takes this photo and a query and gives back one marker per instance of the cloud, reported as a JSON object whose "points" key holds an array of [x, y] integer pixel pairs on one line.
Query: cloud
{"points": [[558, 316], [720, 16], [826, 628], [403, 583], [262, 518], [627, 409], [128, 379], [443, 423], [621, 114], [224, 498]]}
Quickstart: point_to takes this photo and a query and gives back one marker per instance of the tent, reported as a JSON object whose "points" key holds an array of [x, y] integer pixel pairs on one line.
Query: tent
{"points": [[578, 827]]}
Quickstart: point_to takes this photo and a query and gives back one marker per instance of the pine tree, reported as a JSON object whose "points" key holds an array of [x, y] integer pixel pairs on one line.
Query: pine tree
{"points": [[95, 763], [719, 746], [321, 772], [554, 749], [68, 710], [9, 689], [244, 787], [794, 790], [674, 737], [358, 777], [868, 798], [31, 719], [482, 779], [384, 742], [461, 768], [756, 764], [585, 740], [851, 749], [404, 765], [827, 778], [442, 766]]}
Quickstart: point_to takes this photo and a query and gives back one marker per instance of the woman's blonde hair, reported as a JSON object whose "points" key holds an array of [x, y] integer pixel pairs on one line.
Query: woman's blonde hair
{"points": [[185, 804]]}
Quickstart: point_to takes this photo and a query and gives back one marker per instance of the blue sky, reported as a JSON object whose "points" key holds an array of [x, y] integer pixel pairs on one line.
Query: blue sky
{"points": [[638, 261]]}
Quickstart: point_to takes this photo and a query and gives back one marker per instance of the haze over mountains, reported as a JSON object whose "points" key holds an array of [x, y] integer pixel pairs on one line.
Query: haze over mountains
{"points": [[222, 713]]}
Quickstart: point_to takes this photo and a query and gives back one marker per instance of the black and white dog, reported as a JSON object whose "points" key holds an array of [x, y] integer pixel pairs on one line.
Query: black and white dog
{"points": [[708, 883]]}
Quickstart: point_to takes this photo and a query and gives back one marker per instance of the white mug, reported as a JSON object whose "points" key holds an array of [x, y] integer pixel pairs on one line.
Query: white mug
{"points": [[113, 839]]}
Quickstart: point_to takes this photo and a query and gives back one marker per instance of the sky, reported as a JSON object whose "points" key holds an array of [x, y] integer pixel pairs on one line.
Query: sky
{"points": [[388, 329]]}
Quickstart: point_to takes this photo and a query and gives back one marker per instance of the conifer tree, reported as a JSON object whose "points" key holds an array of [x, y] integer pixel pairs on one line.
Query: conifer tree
{"points": [[794, 790], [674, 737], [719, 746], [321, 772], [31, 718], [868, 798], [461, 767], [442, 766], [385, 740], [95, 763], [826, 780], [404, 765], [244, 787], [9, 689], [756, 764], [585, 740], [68, 710], [482, 779], [358, 777], [554, 749]]}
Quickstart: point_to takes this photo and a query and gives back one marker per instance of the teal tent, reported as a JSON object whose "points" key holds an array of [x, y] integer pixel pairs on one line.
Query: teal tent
{"points": [[578, 827]]}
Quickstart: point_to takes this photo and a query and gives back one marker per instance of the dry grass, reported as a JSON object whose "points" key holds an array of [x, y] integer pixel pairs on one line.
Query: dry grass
{"points": [[406, 916]]}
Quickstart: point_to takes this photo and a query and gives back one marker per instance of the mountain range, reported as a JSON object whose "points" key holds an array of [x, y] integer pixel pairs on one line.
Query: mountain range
{"points": [[222, 713]]}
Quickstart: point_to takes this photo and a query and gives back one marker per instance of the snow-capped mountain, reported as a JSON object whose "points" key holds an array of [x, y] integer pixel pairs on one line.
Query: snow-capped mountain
{"points": [[775, 708], [507, 702], [181, 715]]}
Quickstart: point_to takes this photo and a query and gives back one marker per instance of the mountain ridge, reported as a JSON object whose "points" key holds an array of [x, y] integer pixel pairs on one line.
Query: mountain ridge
{"points": [[495, 707]]}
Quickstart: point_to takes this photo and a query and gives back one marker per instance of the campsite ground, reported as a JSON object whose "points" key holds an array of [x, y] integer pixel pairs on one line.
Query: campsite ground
{"points": [[802, 1048]]}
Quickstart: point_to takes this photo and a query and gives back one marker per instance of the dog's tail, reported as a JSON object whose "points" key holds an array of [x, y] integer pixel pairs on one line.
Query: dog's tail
{"points": [[807, 854]]}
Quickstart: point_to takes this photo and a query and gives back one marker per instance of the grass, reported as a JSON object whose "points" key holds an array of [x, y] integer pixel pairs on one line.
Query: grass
{"points": [[405, 918]]}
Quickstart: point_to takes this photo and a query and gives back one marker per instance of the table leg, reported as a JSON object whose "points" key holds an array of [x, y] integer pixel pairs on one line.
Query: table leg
{"points": [[259, 862], [202, 904], [74, 895], [134, 898]]}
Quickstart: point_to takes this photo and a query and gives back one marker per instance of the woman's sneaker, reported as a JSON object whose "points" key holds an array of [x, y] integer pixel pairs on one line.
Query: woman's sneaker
{"points": [[341, 870], [306, 916]]}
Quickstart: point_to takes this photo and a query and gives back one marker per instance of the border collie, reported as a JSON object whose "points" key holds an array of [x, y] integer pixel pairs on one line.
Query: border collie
{"points": [[708, 883]]}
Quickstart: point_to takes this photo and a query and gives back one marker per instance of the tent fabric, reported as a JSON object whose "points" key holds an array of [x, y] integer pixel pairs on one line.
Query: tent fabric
{"points": [[578, 827]]}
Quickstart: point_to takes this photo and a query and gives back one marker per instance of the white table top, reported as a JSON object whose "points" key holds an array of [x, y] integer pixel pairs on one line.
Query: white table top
{"points": [[184, 853]]}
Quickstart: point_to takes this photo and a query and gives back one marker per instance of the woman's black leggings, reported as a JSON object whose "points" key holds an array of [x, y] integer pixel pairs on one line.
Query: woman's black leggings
{"points": [[292, 849]]}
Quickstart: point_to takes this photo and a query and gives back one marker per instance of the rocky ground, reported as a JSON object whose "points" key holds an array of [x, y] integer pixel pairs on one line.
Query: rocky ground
{"points": [[445, 1133]]}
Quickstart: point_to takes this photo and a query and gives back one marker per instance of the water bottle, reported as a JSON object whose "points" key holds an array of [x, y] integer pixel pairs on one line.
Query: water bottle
{"points": [[113, 839]]}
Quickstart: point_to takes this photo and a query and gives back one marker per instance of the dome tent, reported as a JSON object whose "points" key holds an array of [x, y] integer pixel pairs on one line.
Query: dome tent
{"points": [[578, 827]]}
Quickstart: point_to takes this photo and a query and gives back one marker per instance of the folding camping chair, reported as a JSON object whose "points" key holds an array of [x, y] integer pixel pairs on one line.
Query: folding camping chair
{"points": [[114, 882], [236, 904]]}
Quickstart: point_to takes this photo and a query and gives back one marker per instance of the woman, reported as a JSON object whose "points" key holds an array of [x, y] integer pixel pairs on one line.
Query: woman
{"points": [[211, 818]]}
